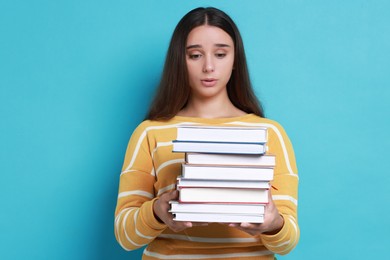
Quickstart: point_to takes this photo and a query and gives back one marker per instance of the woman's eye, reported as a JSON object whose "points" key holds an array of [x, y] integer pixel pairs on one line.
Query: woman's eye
{"points": [[195, 56], [220, 55]]}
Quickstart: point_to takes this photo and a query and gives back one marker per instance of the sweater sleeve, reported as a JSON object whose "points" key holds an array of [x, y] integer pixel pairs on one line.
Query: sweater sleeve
{"points": [[286, 195], [135, 224]]}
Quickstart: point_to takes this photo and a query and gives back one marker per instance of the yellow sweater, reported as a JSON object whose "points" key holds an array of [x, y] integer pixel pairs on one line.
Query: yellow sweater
{"points": [[150, 169]]}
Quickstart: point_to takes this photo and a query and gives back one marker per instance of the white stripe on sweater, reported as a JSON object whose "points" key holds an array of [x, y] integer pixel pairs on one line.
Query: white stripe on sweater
{"points": [[117, 223], [124, 230], [210, 239], [279, 245], [294, 224], [126, 171], [290, 244], [160, 144], [135, 192], [206, 256], [167, 163], [285, 197], [169, 187], [136, 230]]}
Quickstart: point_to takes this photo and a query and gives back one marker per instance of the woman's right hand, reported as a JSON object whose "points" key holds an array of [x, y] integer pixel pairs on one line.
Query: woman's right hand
{"points": [[161, 211]]}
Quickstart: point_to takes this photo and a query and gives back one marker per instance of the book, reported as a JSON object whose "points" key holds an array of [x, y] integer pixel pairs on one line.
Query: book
{"points": [[220, 218], [223, 195], [211, 172], [230, 159], [222, 134], [183, 182], [246, 209], [218, 147]]}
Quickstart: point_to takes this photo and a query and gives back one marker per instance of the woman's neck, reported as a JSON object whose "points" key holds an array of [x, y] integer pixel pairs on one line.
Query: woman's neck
{"points": [[210, 109]]}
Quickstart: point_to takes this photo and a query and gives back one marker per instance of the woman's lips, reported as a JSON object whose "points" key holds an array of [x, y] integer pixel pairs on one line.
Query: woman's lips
{"points": [[209, 82]]}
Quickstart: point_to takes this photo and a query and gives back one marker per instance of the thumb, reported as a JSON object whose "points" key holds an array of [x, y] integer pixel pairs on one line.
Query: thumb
{"points": [[270, 195], [171, 195], [270, 200]]}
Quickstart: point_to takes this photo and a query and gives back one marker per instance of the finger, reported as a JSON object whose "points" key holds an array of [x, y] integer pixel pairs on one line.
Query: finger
{"points": [[200, 224], [251, 229], [248, 225], [245, 225], [270, 200], [172, 195], [270, 205], [179, 225], [233, 224], [184, 224]]}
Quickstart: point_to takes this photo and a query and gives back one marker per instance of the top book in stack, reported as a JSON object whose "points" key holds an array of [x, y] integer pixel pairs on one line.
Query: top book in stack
{"points": [[227, 139]]}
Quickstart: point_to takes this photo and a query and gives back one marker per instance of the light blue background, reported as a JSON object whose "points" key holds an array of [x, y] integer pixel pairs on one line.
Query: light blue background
{"points": [[76, 78]]}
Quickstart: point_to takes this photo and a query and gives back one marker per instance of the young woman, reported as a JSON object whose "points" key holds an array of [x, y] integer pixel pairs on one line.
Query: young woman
{"points": [[205, 81]]}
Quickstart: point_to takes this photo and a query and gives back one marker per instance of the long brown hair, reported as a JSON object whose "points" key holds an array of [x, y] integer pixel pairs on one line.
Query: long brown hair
{"points": [[174, 90]]}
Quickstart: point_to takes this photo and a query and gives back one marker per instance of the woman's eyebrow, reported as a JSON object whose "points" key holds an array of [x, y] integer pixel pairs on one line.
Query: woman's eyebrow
{"points": [[194, 46], [219, 45], [222, 45]]}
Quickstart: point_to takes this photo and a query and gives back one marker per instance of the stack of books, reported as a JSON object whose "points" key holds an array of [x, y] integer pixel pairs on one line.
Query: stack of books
{"points": [[226, 175]]}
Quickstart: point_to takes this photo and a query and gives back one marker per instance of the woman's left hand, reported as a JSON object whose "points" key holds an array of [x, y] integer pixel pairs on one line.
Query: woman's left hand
{"points": [[273, 222]]}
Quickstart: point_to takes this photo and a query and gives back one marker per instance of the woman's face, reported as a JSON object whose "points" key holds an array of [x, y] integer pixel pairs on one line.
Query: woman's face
{"points": [[209, 58]]}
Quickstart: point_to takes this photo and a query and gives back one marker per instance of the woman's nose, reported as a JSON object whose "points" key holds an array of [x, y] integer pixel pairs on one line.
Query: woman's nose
{"points": [[208, 65]]}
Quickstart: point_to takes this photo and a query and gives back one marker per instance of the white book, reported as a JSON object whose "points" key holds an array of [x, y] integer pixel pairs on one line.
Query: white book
{"points": [[223, 195], [218, 147], [231, 159], [183, 182], [211, 172], [222, 134], [246, 209], [219, 218]]}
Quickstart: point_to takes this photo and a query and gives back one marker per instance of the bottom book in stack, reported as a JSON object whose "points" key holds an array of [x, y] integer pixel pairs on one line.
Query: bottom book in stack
{"points": [[222, 213]]}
